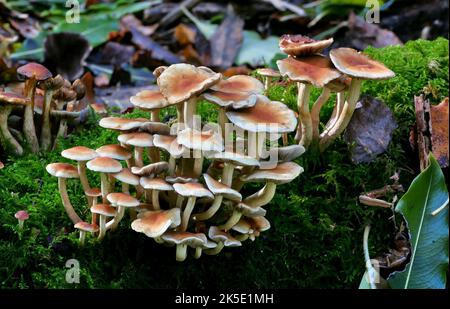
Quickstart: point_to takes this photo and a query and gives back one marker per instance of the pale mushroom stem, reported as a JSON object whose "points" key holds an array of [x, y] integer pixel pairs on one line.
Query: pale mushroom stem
{"points": [[21, 224], [104, 187], [172, 166], [232, 221], [227, 173], [252, 144], [179, 203], [181, 252], [7, 140], [263, 196], [198, 252], [154, 115], [304, 116], [155, 200], [198, 163], [153, 153], [138, 156], [315, 111], [94, 216], [29, 130], [340, 98], [82, 237], [190, 108], [62, 130], [266, 83], [222, 118], [148, 196], [261, 143], [180, 112], [242, 237], [66, 201], [187, 213], [46, 134], [202, 216], [345, 116], [215, 250], [83, 178], [115, 222], [102, 232]]}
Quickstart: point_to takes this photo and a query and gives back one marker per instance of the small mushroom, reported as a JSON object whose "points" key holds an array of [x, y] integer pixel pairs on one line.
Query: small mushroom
{"points": [[121, 201], [251, 227], [104, 211], [84, 227], [300, 45], [222, 239], [155, 185], [122, 124], [239, 83], [139, 140], [155, 223], [21, 216], [182, 240], [242, 209], [127, 178], [150, 169], [170, 144], [93, 194], [268, 74], [104, 166], [116, 152], [150, 100]]}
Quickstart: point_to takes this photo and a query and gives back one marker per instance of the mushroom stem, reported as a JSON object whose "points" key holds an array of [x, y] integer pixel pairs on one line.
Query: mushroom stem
{"points": [[345, 116], [202, 216], [227, 173], [340, 98], [187, 213], [180, 112], [94, 216], [117, 218], [304, 116], [83, 178], [172, 166], [181, 252], [148, 196], [21, 224], [154, 115], [102, 232], [104, 187], [125, 188], [138, 154], [267, 81], [46, 134], [7, 140], [190, 108], [179, 202], [29, 130], [198, 164], [61, 130], [222, 118], [232, 221], [315, 111], [262, 197], [215, 250], [198, 252], [154, 154], [242, 237], [155, 200], [82, 238], [66, 201]]}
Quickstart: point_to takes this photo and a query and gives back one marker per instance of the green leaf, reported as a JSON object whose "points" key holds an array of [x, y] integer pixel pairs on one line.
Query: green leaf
{"points": [[428, 266]]}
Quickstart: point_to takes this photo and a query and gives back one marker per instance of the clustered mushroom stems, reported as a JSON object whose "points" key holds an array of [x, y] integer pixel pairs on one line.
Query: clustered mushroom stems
{"points": [[62, 186], [304, 116], [315, 112], [9, 142], [29, 129], [337, 110]]}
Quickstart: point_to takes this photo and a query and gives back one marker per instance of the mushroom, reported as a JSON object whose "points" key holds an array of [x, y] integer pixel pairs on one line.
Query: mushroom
{"points": [[33, 72], [242, 209], [182, 240], [170, 144], [359, 67], [287, 153], [156, 185], [182, 83], [93, 194], [121, 201], [139, 140], [192, 191], [251, 227], [155, 128], [127, 178], [155, 223], [222, 239], [268, 74], [220, 191], [116, 152], [122, 124], [151, 169], [104, 165], [84, 227], [309, 71], [150, 100], [239, 83], [21, 216], [63, 171], [50, 86], [7, 102], [300, 45], [104, 211]]}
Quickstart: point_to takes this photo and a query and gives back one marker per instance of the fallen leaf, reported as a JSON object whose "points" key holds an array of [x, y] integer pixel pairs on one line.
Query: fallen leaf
{"points": [[370, 129], [116, 54], [117, 98], [439, 132], [184, 35], [130, 20]]}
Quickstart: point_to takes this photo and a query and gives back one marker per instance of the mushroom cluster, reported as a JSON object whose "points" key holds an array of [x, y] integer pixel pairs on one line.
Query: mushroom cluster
{"points": [[34, 103], [341, 73], [183, 184]]}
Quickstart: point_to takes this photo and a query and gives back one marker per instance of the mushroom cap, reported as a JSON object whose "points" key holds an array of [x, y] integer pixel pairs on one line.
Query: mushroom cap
{"points": [[121, 124], [219, 188], [259, 224], [356, 64], [220, 236], [79, 153], [155, 223], [22, 215], [158, 71], [185, 238], [301, 45], [193, 189], [266, 116], [93, 192], [104, 210], [86, 227], [283, 173], [13, 98], [1, 165], [126, 176], [149, 99], [65, 94], [268, 72], [240, 83], [234, 100], [316, 70], [155, 184], [180, 179], [200, 140], [114, 152], [122, 199], [288, 153], [232, 157], [137, 139], [52, 83], [155, 128], [104, 165], [62, 170], [339, 84], [170, 144], [181, 81], [36, 70], [150, 169], [250, 211]]}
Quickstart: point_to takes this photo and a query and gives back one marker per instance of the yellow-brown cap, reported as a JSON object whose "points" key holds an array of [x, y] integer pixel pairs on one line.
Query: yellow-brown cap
{"points": [[79, 153], [155, 223], [62, 170], [301, 45]]}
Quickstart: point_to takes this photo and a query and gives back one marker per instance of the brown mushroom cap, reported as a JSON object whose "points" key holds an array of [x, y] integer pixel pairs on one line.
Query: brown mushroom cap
{"points": [[149, 99], [93, 192], [121, 124], [138, 139], [287, 153], [234, 100], [220, 236], [251, 211], [155, 223], [155, 128], [219, 188], [150, 169], [180, 179], [79, 153], [283, 173], [122, 199], [86, 227], [268, 72], [34, 70], [52, 83], [339, 84], [301, 45], [104, 210], [158, 71], [62, 170], [179, 82], [13, 98], [200, 140], [194, 189], [316, 70], [249, 225], [265, 116], [114, 152], [170, 144], [126, 176], [232, 157], [185, 238], [104, 165], [155, 184], [240, 83], [355, 64]]}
